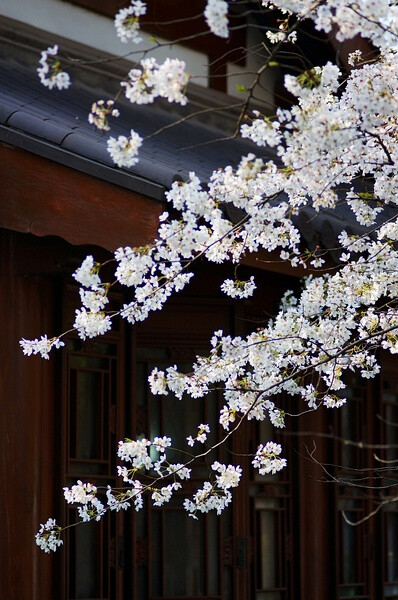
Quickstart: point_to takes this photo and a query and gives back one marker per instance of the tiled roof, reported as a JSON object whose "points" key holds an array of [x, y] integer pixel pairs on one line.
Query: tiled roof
{"points": [[54, 123]]}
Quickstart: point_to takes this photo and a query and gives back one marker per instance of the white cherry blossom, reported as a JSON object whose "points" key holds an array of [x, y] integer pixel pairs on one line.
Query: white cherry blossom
{"points": [[336, 145], [124, 150], [100, 113], [42, 346], [50, 72], [48, 536], [216, 15], [152, 80], [87, 273], [127, 22], [267, 458]]}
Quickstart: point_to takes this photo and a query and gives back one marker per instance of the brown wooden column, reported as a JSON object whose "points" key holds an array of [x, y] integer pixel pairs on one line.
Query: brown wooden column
{"points": [[27, 435]]}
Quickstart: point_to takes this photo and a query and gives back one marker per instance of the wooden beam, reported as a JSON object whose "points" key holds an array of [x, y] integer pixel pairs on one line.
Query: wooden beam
{"points": [[46, 198]]}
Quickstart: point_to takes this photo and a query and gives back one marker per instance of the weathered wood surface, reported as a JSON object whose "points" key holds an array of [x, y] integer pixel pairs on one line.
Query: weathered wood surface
{"points": [[45, 198]]}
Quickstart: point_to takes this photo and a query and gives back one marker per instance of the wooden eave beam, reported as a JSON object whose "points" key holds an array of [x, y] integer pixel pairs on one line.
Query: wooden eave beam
{"points": [[43, 197]]}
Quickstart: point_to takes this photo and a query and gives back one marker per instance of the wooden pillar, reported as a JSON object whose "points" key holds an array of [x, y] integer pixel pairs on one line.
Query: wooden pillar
{"points": [[27, 435]]}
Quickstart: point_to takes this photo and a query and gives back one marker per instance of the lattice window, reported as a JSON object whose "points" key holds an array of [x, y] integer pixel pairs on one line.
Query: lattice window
{"points": [[181, 557], [352, 569], [389, 436], [93, 411], [272, 530]]}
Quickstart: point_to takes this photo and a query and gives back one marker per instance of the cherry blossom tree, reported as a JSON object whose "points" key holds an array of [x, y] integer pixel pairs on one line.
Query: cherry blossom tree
{"points": [[337, 143]]}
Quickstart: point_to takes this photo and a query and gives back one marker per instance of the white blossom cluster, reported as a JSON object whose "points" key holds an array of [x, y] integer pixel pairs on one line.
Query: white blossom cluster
{"points": [[373, 19], [85, 494], [281, 36], [90, 324], [122, 500], [262, 131], [157, 382], [137, 453], [117, 500], [229, 475], [134, 452], [214, 496], [152, 80], [164, 494], [48, 536], [216, 15], [91, 320], [337, 144], [127, 21], [267, 458], [238, 289], [100, 112], [87, 274], [313, 333], [95, 300], [203, 430], [50, 72], [42, 346], [124, 150]]}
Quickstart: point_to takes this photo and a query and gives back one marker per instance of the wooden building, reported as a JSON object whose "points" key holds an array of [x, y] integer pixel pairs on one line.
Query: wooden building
{"points": [[61, 198]]}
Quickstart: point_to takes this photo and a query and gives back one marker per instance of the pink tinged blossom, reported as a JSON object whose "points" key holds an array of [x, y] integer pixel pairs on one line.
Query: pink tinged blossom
{"points": [[216, 15]]}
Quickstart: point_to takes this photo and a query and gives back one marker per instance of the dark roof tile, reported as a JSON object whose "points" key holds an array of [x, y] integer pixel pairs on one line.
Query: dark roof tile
{"points": [[54, 124], [60, 117], [32, 123]]}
